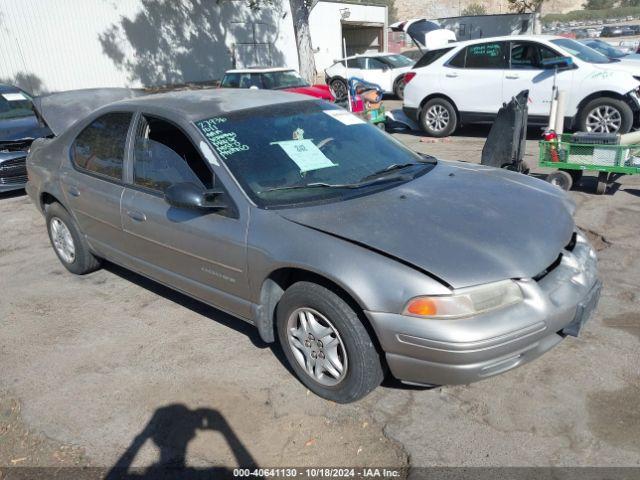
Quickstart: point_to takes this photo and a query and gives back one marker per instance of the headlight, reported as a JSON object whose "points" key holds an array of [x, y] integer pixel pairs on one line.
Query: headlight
{"points": [[466, 302]]}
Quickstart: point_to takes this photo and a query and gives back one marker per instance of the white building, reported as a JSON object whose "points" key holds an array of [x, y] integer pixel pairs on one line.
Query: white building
{"points": [[54, 45], [363, 27], [67, 44]]}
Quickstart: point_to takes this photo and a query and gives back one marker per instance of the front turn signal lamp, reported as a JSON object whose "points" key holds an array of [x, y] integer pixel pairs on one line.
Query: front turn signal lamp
{"points": [[465, 302]]}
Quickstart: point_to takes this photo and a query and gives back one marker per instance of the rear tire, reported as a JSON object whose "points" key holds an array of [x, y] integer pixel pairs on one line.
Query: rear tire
{"points": [[606, 114], [560, 178], [68, 242], [438, 118], [398, 89], [334, 337], [603, 182], [339, 88]]}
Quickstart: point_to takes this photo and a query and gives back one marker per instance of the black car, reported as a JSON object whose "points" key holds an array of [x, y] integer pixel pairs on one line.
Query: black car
{"points": [[19, 126]]}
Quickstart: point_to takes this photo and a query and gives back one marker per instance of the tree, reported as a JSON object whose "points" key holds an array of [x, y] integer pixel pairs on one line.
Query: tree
{"points": [[300, 14], [525, 6], [474, 9]]}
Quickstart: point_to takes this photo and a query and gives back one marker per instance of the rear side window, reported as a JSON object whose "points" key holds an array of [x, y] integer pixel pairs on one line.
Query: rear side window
{"points": [[458, 60], [487, 55], [100, 147], [431, 56]]}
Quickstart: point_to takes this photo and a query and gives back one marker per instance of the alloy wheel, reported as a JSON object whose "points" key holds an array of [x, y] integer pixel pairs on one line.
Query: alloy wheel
{"points": [[62, 240], [317, 346], [604, 119], [437, 118]]}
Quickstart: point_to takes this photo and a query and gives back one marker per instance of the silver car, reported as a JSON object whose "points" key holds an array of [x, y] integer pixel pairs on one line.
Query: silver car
{"points": [[356, 254]]}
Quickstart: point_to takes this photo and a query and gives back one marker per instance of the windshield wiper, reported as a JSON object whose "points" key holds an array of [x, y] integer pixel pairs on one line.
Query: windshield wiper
{"points": [[389, 169], [312, 185]]}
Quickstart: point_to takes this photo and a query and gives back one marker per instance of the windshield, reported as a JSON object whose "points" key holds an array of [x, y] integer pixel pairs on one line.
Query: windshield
{"points": [[277, 80], [15, 105], [310, 151], [581, 51], [398, 61], [606, 49]]}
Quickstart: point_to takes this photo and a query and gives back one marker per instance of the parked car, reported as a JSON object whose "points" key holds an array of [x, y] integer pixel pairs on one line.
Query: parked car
{"points": [[383, 69], [19, 126], [612, 52], [274, 79], [469, 82], [612, 31], [351, 250]]}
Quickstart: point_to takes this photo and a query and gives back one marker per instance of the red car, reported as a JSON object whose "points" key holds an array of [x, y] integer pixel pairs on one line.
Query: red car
{"points": [[274, 79]]}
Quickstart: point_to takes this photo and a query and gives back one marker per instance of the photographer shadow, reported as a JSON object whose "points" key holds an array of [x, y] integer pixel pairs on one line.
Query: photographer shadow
{"points": [[171, 428]]}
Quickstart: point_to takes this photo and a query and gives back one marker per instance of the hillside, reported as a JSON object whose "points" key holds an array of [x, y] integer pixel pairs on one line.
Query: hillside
{"points": [[450, 8]]}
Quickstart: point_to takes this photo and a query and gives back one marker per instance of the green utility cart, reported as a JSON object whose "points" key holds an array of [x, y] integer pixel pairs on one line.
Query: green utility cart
{"points": [[570, 159]]}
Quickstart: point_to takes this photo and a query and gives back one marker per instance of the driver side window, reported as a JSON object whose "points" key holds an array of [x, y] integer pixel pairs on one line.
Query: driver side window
{"points": [[163, 155]]}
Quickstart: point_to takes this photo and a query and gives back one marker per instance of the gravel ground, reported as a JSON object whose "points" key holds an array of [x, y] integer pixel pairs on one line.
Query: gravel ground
{"points": [[111, 367]]}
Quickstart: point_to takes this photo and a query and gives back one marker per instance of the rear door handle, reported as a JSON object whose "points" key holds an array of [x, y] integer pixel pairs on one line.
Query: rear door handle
{"points": [[513, 77], [137, 216], [452, 75], [73, 191]]}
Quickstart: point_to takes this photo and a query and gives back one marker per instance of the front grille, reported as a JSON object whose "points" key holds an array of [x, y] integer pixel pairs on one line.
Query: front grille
{"points": [[13, 180], [14, 168], [21, 146]]}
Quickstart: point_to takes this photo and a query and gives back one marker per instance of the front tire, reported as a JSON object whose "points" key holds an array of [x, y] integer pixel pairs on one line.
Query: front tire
{"points": [[68, 242], [326, 343], [438, 118], [606, 115]]}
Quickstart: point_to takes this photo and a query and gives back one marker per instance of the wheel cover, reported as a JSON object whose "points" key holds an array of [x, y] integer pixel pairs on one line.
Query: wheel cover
{"points": [[62, 240], [317, 347], [437, 118], [339, 89], [604, 119]]}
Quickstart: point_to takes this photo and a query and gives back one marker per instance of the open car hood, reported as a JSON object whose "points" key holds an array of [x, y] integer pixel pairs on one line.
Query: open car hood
{"points": [[61, 110], [427, 34], [463, 223]]}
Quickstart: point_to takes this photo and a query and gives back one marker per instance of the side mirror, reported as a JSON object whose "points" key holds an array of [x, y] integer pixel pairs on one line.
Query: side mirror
{"points": [[189, 195], [557, 62]]}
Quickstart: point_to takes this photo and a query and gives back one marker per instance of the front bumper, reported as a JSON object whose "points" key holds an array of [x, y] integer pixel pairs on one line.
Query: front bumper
{"points": [[461, 351]]}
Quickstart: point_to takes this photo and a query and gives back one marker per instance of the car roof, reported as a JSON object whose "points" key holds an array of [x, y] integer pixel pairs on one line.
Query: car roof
{"points": [[4, 88], [198, 104], [508, 38], [260, 70]]}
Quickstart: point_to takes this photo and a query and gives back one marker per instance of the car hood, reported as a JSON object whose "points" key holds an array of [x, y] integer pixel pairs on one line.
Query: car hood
{"points": [[317, 91], [21, 129], [632, 68], [464, 224]]}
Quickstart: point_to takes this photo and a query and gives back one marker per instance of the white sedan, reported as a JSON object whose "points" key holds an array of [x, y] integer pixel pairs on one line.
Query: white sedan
{"points": [[384, 69]]}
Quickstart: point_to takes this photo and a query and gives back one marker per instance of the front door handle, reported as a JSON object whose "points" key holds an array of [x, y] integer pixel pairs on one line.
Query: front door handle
{"points": [[73, 191], [137, 216], [513, 77], [452, 75]]}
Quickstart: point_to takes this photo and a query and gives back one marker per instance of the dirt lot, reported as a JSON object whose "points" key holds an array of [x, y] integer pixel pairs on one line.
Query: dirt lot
{"points": [[111, 368]]}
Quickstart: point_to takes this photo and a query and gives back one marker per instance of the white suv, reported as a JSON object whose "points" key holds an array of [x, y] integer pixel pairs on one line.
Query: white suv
{"points": [[468, 82], [384, 69]]}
